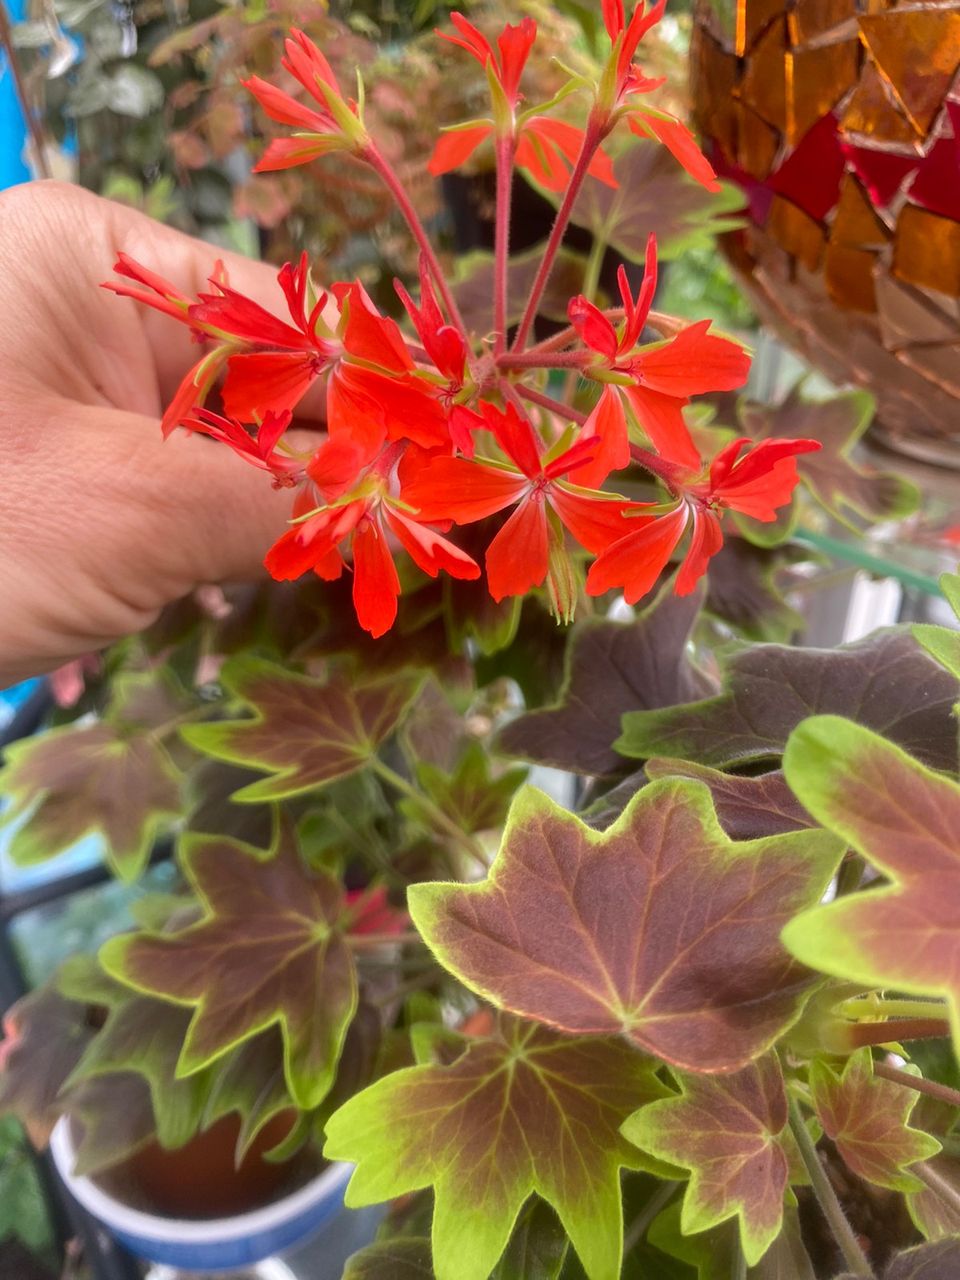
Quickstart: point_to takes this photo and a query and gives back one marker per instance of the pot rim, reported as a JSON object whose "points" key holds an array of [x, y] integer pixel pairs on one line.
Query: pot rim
{"points": [[137, 1222]]}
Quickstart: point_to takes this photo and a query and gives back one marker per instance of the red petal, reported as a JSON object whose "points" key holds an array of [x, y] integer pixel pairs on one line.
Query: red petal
{"points": [[661, 417], [613, 18], [194, 389], [294, 554], [461, 490], [607, 425], [592, 326], [678, 140], [375, 582], [287, 153], [516, 437], [456, 146], [367, 334], [428, 550], [515, 43], [519, 556], [636, 561], [337, 465], [693, 363], [283, 108], [705, 541], [595, 520], [352, 410], [541, 159], [245, 319], [305, 62], [269, 382]]}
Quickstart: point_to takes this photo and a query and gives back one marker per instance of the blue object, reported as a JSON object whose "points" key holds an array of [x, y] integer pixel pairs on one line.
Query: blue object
{"points": [[13, 127]]}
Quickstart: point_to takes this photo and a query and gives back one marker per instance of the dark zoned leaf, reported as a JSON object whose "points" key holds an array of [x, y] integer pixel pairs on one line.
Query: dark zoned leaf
{"points": [[522, 1111], [885, 682], [939, 1261], [905, 819], [114, 1118], [742, 589], [474, 288], [943, 643], [868, 1119], [612, 667], [747, 807], [715, 1253], [729, 1131], [269, 950], [660, 929], [937, 1216], [305, 732], [97, 779]]}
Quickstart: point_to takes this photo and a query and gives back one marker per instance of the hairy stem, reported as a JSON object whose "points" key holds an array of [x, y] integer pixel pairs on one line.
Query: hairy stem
{"points": [[367, 941], [544, 360], [853, 1255], [896, 1030], [937, 1184], [433, 812], [405, 205], [591, 140], [505, 153], [565, 411], [738, 1270], [869, 1007], [932, 1088]]}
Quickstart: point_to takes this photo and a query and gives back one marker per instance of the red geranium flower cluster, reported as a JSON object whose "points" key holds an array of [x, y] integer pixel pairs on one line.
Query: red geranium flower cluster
{"points": [[437, 426]]}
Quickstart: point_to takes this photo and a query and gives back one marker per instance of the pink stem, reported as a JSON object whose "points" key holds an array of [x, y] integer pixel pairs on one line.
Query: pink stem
{"points": [[544, 360], [897, 1029], [671, 473], [548, 402], [591, 140], [505, 152], [397, 190], [933, 1089]]}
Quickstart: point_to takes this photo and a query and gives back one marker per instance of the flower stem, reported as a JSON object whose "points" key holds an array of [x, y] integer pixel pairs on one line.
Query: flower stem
{"points": [[853, 1255], [932, 1088], [868, 1007], [896, 1030], [367, 941], [432, 811], [638, 1227], [738, 1271], [671, 473], [501, 250], [543, 360], [591, 140], [565, 411], [397, 190], [937, 1184]]}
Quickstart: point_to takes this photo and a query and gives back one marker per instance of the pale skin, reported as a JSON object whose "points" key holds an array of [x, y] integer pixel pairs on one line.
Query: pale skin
{"points": [[102, 523]]}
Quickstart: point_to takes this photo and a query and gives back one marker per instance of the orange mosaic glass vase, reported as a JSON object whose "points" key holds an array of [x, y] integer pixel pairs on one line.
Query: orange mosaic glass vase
{"points": [[841, 123]]}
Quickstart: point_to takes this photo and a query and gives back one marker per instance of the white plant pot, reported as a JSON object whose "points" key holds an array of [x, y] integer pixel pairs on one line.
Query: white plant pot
{"points": [[228, 1244]]}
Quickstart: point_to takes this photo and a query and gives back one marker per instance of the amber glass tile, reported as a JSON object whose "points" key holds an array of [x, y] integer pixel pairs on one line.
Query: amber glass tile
{"points": [[796, 232], [849, 277], [856, 225], [715, 72], [816, 80], [752, 17], [764, 84], [757, 143], [872, 110], [927, 250], [918, 52], [811, 18]]}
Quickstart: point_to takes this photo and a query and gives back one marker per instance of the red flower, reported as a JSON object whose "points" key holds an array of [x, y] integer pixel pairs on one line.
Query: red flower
{"points": [[507, 61], [664, 375], [519, 557], [331, 519], [444, 344], [756, 484], [260, 449], [629, 81], [335, 126], [546, 148]]}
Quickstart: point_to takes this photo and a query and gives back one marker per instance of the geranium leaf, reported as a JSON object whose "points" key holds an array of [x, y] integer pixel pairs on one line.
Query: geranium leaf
{"points": [[521, 1111], [654, 196], [469, 795], [906, 820], [114, 1116], [612, 667], [868, 1119], [714, 1253], [884, 681], [71, 782], [44, 1037], [250, 1082], [473, 289], [729, 1131], [943, 643], [834, 479], [747, 807], [742, 589], [660, 929], [144, 1035], [938, 1216], [305, 732], [940, 1261], [269, 950], [391, 1260]]}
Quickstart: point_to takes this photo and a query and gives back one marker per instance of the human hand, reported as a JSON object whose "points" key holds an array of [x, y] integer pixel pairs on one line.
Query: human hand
{"points": [[102, 523]]}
